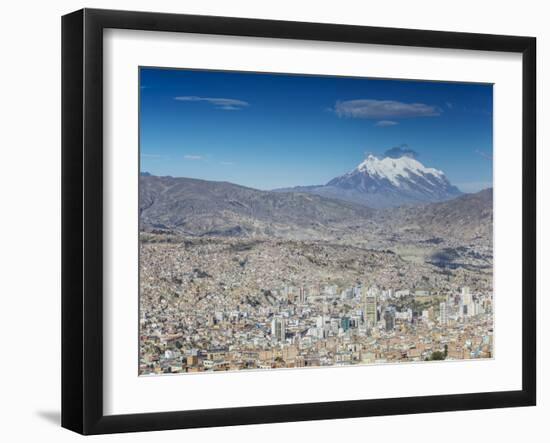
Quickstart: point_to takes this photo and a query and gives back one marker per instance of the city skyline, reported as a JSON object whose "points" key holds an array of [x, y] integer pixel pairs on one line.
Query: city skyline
{"points": [[268, 131]]}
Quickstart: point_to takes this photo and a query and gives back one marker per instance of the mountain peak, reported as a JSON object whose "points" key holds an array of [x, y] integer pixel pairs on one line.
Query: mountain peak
{"points": [[392, 180], [395, 170]]}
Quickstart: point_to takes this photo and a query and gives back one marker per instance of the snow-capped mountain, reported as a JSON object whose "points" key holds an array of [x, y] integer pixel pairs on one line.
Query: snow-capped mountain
{"points": [[373, 172], [403, 176], [385, 182]]}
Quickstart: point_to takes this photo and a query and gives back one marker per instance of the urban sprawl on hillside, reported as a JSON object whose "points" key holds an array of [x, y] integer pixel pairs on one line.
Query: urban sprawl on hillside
{"points": [[220, 306]]}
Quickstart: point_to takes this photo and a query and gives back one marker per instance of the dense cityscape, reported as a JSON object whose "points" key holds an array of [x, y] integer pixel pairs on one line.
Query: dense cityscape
{"points": [[250, 317]]}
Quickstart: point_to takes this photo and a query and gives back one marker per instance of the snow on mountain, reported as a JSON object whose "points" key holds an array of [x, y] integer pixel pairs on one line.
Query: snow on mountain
{"points": [[389, 181], [395, 169]]}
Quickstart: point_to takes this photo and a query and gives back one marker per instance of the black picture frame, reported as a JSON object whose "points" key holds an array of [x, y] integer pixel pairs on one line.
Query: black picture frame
{"points": [[82, 215]]}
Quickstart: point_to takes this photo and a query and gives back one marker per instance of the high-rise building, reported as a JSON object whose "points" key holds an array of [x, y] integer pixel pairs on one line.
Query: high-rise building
{"points": [[278, 329], [345, 323], [389, 318], [466, 295], [466, 298], [334, 324], [443, 313], [320, 322], [371, 301], [464, 301], [467, 304], [302, 297]]}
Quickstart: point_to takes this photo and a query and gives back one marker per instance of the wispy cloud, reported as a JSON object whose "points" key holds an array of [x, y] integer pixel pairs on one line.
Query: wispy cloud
{"points": [[227, 163], [449, 105], [385, 123], [193, 157], [384, 109], [484, 154], [226, 104], [401, 151]]}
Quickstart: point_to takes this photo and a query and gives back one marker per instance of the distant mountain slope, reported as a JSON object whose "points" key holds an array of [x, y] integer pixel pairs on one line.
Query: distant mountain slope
{"points": [[387, 182], [467, 217], [200, 207], [207, 208]]}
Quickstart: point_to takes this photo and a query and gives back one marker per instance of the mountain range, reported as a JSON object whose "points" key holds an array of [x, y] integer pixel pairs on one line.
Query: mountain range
{"points": [[206, 208], [468, 217], [209, 208]]}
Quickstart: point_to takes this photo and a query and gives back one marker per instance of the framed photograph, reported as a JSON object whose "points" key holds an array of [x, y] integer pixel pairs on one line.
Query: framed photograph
{"points": [[268, 221]]}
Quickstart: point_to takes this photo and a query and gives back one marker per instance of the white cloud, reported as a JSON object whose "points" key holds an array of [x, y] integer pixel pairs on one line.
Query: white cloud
{"points": [[385, 123], [401, 151], [227, 163], [193, 157], [383, 109], [226, 104]]}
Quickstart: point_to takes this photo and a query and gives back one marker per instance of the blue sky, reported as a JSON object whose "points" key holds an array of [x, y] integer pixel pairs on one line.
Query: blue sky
{"points": [[273, 130]]}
